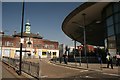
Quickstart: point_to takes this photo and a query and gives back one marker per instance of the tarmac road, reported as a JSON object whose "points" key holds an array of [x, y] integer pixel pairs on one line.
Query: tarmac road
{"points": [[50, 70]]}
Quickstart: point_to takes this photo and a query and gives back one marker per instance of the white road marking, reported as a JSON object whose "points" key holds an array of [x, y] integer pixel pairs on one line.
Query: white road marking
{"points": [[43, 76], [112, 74], [63, 66], [83, 70], [88, 77]]}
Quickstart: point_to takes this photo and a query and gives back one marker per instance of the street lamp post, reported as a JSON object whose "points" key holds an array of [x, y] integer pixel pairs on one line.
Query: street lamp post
{"points": [[22, 24], [75, 44], [75, 52], [85, 51], [84, 32]]}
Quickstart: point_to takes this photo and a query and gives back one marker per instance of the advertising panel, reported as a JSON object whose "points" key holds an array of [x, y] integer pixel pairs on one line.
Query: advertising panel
{"points": [[112, 52]]}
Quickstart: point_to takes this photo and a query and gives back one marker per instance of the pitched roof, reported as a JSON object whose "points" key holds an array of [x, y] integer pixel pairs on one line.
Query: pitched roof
{"points": [[28, 35], [7, 36]]}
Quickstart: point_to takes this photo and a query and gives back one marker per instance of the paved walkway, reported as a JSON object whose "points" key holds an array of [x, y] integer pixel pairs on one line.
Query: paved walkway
{"points": [[92, 66], [9, 72]]}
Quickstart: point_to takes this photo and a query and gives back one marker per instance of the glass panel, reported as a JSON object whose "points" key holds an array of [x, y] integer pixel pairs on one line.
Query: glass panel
{"points": [[117, 27], [118, 47], [109, 10], [109, 21], [110, 30], [44, 53], [118, 40], [111, 42], [117, 17], [116, 7], [54, 53]]}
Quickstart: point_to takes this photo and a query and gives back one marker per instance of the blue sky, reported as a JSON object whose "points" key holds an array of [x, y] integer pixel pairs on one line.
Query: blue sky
{"points": [[45, 18]]}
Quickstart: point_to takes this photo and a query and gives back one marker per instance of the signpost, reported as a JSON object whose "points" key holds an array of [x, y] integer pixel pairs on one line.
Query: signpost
{"points": [[22, 24]]}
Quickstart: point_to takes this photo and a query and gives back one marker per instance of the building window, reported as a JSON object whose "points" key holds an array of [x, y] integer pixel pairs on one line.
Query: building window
{"points": [[116, 7], [117, 27], [27, 39], [54, 53], [8, 43], [51, 46], [117, 17], [110, 30], [111, 15], [110, 21], [46, 46], [37, 45], [118, 40], [111, 42], [44, 53]]}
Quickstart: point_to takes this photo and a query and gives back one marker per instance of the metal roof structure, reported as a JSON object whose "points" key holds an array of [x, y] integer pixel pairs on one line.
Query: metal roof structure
{"points": [[95, 30]]}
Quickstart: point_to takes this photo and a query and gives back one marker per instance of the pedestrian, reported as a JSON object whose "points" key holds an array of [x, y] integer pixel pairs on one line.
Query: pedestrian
{"points": [[39, 57], [60, 59], [117, 59], [109, 60], [65, 58], [54, 58]]}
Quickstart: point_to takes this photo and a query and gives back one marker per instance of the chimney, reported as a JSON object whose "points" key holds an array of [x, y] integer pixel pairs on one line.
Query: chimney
{"points": [[1, 32], [14, 32], [37, 33]]}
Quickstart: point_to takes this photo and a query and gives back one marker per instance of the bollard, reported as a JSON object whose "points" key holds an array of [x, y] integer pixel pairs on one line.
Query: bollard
{"points": [[29, 67], [39, 69]]}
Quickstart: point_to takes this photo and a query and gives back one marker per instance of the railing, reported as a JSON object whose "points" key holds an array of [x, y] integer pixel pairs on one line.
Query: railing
{"points": [[77, 59], [93, 62], [30, 68]]}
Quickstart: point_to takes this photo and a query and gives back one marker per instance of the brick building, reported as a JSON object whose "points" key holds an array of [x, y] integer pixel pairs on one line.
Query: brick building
{"points": [[34, 45]]}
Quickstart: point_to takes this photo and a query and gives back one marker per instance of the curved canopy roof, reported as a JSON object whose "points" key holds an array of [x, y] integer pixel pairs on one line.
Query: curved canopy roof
{"points": [[95, 32]]}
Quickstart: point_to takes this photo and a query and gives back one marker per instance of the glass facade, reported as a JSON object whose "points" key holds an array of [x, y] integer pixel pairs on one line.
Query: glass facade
{"points": [[111, 16]]}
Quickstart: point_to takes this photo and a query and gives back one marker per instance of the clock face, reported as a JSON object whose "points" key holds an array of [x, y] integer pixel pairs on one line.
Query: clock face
{"points": [[27, 29]]}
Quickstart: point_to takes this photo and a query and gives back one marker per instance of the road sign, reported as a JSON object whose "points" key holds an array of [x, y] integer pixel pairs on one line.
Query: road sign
{"points": [[22, 40]]}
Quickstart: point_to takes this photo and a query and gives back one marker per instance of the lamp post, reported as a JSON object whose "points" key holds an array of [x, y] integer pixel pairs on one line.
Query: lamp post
{"points": [[79, 50], [84, 32], [75, 44], [22, 24], [75, 52], [85, 51]]}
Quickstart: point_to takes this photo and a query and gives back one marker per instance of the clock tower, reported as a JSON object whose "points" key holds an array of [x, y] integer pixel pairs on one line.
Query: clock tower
{"points": [[27, 27]]}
